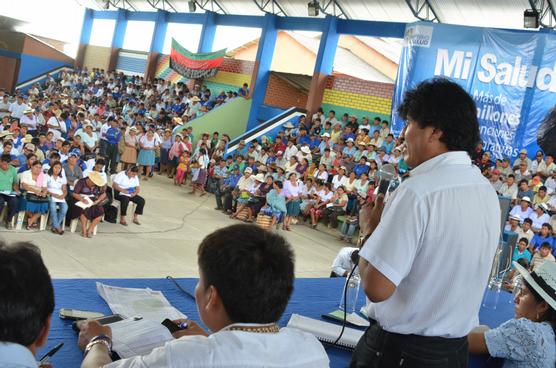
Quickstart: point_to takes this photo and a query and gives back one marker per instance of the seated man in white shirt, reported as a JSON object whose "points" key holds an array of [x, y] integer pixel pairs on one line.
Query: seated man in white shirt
{"points": [[245, 281], [126, 189], [345, 260], [26, 304]]}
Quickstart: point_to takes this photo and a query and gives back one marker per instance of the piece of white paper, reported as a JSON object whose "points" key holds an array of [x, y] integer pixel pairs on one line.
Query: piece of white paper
{"points": [[132, 337], [131, 302], [85, 203]]}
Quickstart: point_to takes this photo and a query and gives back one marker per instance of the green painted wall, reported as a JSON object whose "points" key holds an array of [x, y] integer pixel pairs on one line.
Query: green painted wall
{"points": [[230, 119], [216, 88], [341, 110]]}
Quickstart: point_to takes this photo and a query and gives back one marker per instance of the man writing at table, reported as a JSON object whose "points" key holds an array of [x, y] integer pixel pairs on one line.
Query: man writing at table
{"points": [[426, 278], [245, 281]]}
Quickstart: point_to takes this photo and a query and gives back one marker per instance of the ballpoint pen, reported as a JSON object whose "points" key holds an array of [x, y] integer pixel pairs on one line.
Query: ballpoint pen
{"points": [[48, 355]]}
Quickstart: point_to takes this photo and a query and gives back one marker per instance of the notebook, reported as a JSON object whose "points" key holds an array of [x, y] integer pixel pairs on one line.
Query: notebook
{"points": [[352, 319], [326, 332]]}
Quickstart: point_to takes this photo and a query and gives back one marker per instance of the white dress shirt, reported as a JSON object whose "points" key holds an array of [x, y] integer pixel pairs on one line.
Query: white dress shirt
{"points": [[16, 356], [436, 241], [289, 348], [342, 263], [55, 186]]}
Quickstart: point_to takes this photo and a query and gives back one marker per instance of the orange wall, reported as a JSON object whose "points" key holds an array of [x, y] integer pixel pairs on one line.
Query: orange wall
{"points": [[369, 55], [289, 56], [280, 93]]}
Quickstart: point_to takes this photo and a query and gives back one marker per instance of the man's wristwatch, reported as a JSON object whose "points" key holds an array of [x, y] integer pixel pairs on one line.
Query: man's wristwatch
{"points": [[99, 339]]}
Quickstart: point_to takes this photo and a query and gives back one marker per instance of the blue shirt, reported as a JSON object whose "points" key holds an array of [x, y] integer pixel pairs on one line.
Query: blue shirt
{"points": [[221, 171], [16, 356], [304, 140], [315, 142], [349, 151], [232, 180], [360, 169], [526, 254], [522, 343], [113, 135], [388, 147], [538, 240]]}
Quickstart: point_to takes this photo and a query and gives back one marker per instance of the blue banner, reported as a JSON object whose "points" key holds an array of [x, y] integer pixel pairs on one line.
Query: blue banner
{"points": [[511, 75]]}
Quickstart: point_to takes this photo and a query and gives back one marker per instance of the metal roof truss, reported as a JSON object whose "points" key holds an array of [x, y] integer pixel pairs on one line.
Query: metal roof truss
{"points": [[423, 10], [271, 7], [547, 12]]}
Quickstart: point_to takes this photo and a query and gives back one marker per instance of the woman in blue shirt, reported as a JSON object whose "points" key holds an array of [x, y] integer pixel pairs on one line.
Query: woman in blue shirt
{"points": [[529, 339]]}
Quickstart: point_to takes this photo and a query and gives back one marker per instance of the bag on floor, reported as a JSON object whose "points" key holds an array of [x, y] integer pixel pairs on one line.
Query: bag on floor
{"points": [[110, 214], [264, 221], [243, 215]]}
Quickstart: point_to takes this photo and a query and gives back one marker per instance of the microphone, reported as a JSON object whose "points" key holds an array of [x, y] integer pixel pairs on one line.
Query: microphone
{"points": [[387, 174]]}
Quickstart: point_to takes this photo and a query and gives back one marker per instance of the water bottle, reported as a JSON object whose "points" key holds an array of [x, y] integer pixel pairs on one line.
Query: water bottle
{"points": [[492, 293], [352, 286]]}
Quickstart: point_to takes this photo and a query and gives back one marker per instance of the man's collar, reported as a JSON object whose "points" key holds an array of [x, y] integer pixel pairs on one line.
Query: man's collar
{"points": [[12, 354], [447, 158]]}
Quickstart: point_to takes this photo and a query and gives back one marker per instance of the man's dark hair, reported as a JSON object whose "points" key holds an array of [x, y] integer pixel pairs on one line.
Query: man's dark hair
{"points": [[27, 293], [524, 239], [443, 104], [528, 220], [6, 158], [546, 245], [252, 269]]}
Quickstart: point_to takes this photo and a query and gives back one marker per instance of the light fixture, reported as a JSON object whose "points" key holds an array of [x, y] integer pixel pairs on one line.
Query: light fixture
{"points": [[531, 18], [192, 6], [313, 8]]}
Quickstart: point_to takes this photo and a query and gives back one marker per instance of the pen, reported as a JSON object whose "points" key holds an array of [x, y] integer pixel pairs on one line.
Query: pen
{"points": [[48, 355]]}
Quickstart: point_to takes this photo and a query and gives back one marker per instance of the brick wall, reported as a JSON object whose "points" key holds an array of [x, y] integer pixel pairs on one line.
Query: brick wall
{"points": [[280, 93], [359, 97]]}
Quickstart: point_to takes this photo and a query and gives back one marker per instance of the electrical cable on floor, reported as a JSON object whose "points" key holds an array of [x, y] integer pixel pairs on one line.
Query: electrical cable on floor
{"points": [[185, 216]]}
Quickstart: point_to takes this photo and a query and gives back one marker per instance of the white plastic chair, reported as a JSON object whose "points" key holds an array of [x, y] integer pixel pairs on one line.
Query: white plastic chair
{"points": [[75, 222]]}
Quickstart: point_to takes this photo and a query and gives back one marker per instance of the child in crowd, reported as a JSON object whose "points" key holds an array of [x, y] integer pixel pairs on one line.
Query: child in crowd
{"points": [[182, 169]]}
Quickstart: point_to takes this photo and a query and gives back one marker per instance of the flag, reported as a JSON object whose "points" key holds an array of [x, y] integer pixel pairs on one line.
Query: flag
{"points": [[190, 65]]}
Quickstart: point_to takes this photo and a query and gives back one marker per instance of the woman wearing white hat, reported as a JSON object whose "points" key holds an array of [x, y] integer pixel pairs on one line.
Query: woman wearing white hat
{"points": [[529, 339], [248, 194]]}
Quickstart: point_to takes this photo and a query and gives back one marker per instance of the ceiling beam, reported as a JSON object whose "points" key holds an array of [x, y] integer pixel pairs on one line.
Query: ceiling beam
{"points": [[547, 12], [271, 7], [423, 10]]}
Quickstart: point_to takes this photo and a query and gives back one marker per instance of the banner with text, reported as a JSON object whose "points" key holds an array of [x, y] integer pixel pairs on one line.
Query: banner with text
{"points": [[511, 75]]}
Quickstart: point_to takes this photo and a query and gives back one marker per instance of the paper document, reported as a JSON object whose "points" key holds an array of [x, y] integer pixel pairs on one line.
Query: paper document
{"points": [[131, 302], [131, 337], [326, 332], [86, 202]]}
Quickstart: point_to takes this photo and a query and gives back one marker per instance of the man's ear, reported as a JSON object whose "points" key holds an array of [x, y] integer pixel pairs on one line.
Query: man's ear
{"points": [[43, 335]]}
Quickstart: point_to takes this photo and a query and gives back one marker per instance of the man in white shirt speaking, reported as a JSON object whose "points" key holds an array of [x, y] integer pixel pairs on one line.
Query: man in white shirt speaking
{"points": [[245, 281], [426, 264]]}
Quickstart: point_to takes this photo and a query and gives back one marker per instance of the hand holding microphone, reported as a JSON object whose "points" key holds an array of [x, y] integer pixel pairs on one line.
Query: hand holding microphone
{"points": [[370, 216]]}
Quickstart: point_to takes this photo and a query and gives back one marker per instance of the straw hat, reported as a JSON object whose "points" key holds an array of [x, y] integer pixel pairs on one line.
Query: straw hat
{"points": [[543, 280], [260, 177], [288, 125], [96, 178], [177, 121], [195, 98], [28, 138]]}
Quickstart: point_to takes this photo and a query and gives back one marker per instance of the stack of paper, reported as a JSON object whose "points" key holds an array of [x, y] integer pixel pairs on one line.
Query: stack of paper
{"points": [[138, 337], [130, 302]]}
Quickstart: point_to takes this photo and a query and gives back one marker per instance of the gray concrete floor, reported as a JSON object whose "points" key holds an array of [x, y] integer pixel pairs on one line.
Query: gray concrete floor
{"points": [[166, 241]]}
